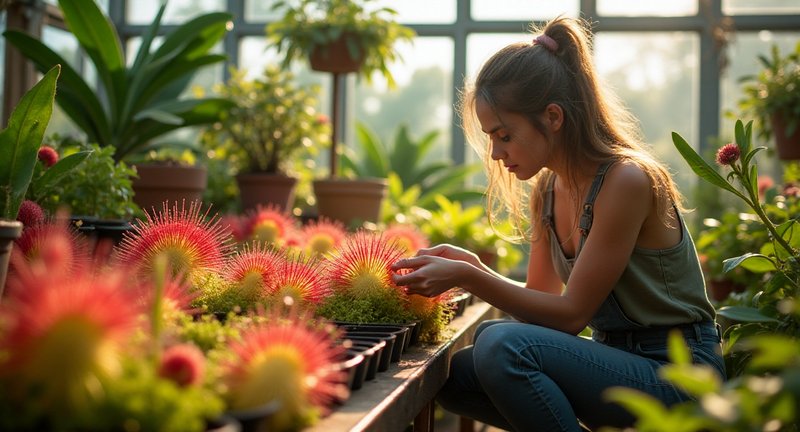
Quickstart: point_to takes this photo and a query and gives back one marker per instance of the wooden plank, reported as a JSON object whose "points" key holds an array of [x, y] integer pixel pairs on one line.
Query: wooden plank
{"points": [[396, 397]]}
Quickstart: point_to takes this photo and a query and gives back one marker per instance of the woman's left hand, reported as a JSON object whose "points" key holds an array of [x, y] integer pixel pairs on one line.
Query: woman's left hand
{"points": [[429, 275]]}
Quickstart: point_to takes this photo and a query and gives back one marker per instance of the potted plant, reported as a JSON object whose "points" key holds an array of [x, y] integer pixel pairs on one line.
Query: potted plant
{"points": [[140, 102], [341, 36], [272, 128], [772, 98], [19, 147], [331, 31]]}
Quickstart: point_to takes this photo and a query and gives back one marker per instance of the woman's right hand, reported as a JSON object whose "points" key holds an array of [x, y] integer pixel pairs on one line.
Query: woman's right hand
{"points": [[452, 252]]}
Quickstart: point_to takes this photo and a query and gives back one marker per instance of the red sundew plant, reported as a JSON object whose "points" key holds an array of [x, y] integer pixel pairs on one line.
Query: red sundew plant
{"points": [[290, 360], [234, 225], [300, 279], [269, 225], [322, 236], [49, 247], [250, 273], [362, 266], [63, 337], [192, 241], [408, 237]]}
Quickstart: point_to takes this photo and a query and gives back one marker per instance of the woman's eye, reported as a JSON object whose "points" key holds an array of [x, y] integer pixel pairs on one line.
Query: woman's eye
{"points": [[505, 138]]}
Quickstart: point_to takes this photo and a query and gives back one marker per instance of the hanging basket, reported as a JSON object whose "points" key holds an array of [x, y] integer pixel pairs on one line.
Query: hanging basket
{"points": [[336, 57]]}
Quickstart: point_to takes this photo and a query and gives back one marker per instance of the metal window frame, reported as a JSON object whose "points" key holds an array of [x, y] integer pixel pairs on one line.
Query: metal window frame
{"points": [[31, 15]]}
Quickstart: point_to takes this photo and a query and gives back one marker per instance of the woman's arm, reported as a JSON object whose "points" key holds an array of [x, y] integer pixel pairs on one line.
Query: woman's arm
{"points": [[621, 208]]}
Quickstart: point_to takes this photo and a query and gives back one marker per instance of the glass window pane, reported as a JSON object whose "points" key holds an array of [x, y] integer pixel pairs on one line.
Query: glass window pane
{"points": [[522, 10], [177, 11], [743, 55], [421, 12], [260, 11], [482, 46], [65, 44], [760, 7], [656, 75], [422, 100], [644, 8]]}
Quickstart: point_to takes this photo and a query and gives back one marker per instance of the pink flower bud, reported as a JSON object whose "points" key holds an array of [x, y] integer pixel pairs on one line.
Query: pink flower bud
{"points": [[728, 154], [48, 156], [30, 214], [184, 364]]}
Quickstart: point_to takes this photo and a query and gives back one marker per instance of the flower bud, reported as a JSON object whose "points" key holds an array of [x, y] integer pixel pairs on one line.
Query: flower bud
{"points": [[728, 154]]}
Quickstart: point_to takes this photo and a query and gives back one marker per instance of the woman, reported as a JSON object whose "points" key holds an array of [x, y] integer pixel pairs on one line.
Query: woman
{"points": [[609, 249]]}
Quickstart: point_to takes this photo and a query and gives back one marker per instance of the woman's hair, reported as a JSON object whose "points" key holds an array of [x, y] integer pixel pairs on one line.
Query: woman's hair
{"points": [[556, 68]]}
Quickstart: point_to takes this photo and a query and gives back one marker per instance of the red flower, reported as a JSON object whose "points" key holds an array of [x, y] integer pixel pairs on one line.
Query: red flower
{"points": [[728, 154], [290, 360], [269, 225], [30, 214], [192, 241], [184, 364], [300, 279], [407, 237], [48, 156], [362, 266], [323, 236]]}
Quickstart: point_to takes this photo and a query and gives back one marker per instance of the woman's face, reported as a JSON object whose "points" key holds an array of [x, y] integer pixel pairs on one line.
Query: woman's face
{"points": [[519, 146]]}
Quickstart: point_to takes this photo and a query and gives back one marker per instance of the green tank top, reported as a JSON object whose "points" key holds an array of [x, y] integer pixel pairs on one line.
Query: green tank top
{"points": [[659, 287]]}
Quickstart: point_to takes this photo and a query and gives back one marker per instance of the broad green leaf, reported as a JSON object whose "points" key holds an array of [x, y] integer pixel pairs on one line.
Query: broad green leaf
{"points": [[697, 380], [143, 55], [773, 351], [202, 27], [20, 142], [756, 263], [745, 314], [700, 166], [159, 116], [98, 37]]}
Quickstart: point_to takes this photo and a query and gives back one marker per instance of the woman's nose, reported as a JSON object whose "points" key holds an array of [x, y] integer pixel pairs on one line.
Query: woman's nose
{"points": [[497, 151]]}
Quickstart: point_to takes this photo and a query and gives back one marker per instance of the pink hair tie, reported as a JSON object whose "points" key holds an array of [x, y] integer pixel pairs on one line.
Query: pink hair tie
{"points": [[547, 42]]}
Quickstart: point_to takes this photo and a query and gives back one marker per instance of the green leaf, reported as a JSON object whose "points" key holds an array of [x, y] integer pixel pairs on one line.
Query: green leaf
{"points": [[20, 142], [756, 263], [98, 37], [55, 173], [700, 167], [643, 406], [679, 353], [745, 314], [697, 380]]}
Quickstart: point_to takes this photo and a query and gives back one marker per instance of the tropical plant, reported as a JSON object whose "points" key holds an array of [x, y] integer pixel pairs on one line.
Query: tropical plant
{"points": [[136, 103], [774, 91], [272, 124], [410, 160], [308, 25], [765, 398], [20, 143], [774, 308]]}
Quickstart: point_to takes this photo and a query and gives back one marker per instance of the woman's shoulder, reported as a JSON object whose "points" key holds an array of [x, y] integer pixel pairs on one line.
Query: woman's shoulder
{"points": [[628, 177]]}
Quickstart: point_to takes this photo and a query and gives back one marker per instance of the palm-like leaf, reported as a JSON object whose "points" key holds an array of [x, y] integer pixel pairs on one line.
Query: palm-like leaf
{"points": [[137, 104]]}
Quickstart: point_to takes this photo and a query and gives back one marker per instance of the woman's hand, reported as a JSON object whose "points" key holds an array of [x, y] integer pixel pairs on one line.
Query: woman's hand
{"points": [[429, 275], [451, 252]]}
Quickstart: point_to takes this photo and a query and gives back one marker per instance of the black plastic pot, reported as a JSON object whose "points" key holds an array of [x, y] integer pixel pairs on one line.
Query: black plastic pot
{"points": [[355, 364], [385, 353], [393, 344], [372, 354], [401, 332]]}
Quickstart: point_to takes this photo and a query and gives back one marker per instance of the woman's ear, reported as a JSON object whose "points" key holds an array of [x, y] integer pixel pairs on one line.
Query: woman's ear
{"points": [[553, 117]]}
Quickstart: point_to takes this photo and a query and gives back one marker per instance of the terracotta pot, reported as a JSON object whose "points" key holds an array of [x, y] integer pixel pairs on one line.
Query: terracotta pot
{"points": [[172, 183], [788, 147], [335, 57], [350, 201], [265, 189], [9, 231], [720, 289]]}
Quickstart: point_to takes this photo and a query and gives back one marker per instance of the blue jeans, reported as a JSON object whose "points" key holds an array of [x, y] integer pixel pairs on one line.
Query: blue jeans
{"points": [[525, 377]]}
